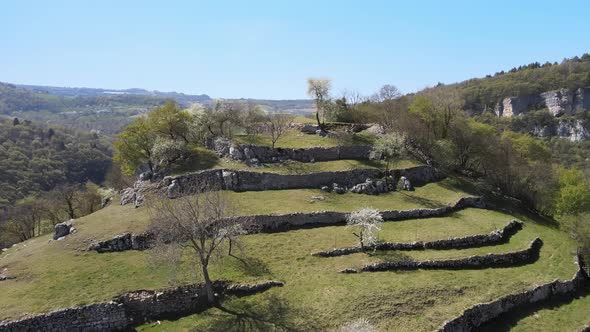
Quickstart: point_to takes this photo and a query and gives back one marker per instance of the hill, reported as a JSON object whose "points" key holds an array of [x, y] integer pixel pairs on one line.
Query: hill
{"points": [[35, 158]]}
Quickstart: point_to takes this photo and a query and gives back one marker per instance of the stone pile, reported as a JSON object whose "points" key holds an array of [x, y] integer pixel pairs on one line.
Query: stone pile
{"points": [[123, 242], [374, 187]]}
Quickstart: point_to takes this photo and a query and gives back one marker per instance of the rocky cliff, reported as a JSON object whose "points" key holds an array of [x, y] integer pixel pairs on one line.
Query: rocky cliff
{"points": [[559, 102]]}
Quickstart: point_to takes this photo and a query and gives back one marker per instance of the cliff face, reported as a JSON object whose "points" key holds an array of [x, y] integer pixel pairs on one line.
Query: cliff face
{"points": [[559, 102], [562, 104]]}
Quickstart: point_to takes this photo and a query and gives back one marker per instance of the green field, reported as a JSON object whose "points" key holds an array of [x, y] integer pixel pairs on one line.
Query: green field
{"points": [[56, 274]]}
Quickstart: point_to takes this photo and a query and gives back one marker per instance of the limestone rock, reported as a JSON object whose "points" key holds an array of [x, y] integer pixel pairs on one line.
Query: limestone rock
{"points": [[145, 176], [62, 229], [173, 189]]}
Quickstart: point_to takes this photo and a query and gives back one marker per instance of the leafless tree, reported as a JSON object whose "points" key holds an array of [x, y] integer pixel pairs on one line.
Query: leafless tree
{"points": [[66, 195], [200, 223], [24, 220], [387, 92], [276, 125]]}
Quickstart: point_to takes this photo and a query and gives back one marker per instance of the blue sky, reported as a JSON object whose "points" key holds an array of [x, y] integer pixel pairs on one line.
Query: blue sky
{"points": [[267, 49]]}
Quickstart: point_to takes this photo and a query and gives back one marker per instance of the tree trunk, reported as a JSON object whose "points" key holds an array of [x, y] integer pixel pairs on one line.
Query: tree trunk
{"points": [[208, 283]]}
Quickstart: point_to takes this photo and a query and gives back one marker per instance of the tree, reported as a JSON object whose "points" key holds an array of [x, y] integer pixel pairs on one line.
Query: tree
{"points": [[171, 121], [25, 218], [166, 151], [368, 222], [199, 223], [254, 121], [319, 90], [573, 196], [276, 125], [387, 92], [390, 146], [134, 146], [66, 195]]}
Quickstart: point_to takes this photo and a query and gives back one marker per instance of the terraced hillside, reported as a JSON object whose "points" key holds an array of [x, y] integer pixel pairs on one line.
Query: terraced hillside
{"points": [[49, 274]]}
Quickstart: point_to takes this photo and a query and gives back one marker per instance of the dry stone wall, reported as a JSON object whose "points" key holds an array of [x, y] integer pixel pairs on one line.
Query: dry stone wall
{"points": [[472, 318], [109, 316], [239, 180], [132, 309], [515, 258], [266, 154], [496, 237], [267, 223]]}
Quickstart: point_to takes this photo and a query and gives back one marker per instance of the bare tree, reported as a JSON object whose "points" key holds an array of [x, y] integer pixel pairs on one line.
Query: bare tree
{"points": [[200, 223], [386, 93], [24, 219], [368, 222], [66, 195], [319, 90], [276, 125]]}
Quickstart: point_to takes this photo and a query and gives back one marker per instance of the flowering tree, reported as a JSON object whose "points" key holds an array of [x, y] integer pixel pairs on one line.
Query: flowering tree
{"points": [[368, 223]]}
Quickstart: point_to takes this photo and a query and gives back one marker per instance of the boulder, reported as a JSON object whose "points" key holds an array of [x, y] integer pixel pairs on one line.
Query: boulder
{"points": [[145, 176], [248, 153], [62, 229], [235, 153], [127, 196], [173, 189]]}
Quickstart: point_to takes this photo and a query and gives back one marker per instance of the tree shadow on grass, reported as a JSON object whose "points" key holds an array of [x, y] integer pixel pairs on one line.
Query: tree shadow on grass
{"points": [[422, 201], [389, 255], [267, 312], [199, 159], [251, 266], [506, 322]]}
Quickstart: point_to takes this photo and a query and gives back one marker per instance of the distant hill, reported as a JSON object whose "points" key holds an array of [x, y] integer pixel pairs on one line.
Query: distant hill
{"points": [[533, 79], [107, 110], [36, 157]]}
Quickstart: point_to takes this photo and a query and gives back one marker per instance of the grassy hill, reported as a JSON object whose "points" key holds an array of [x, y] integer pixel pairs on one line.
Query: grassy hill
{"points": [[57, 274]]}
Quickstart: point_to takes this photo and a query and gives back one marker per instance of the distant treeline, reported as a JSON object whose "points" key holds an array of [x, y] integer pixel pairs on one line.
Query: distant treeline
{"points": [[36, 158]]}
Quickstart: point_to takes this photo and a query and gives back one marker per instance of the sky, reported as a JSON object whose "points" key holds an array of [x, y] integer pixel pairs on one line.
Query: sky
{"points": [[267, 49]]}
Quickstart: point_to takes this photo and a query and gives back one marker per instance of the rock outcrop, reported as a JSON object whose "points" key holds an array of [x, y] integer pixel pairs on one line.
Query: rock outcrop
{"points": [[559, 102], [62, 229], [256, 154]]}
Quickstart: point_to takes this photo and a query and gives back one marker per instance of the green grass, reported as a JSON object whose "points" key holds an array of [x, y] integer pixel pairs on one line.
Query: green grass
{"points": [[562, 315], [295, 139], [300, 200], [321, 299], [202, 158], [58, 274]]}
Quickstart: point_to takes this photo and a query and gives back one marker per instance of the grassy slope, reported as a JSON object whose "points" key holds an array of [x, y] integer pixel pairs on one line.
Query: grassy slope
{"points": [[54, 275], [295, 139], [319, 298], [202, 158]]}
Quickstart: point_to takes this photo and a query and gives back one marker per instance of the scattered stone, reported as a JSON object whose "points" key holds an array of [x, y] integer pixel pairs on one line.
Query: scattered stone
{"points": [[325, 188], [338, 189], [348, 270], [318, 198], [105, 201], [235, 153], [173, 189], [405, 184], [145, 176]]}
